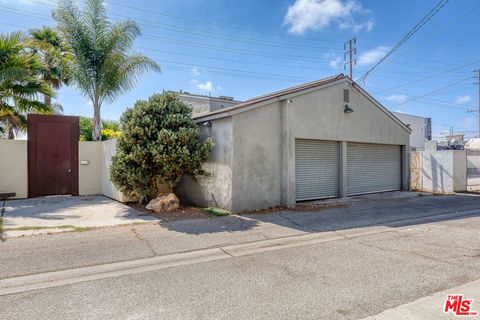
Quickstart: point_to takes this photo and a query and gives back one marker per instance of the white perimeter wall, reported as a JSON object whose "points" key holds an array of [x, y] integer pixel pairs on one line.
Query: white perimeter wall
{"points": [[93, 175], [444, 171], [13, 167]]}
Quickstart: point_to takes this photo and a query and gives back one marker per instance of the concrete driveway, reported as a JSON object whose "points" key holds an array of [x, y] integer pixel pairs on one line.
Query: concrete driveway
{"points": [[65, 213]]}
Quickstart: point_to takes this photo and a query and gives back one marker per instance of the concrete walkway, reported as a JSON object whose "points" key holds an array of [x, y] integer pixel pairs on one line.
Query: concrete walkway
{"points": [[65, 213], [431, 307]]}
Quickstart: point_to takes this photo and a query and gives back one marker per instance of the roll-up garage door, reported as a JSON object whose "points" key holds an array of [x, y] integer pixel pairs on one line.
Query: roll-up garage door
{"points": [[373, 168], [317, 165]]}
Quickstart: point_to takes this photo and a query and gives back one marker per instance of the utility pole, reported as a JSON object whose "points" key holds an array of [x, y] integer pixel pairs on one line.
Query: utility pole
{"points": [[478, 83], [351, 54]]}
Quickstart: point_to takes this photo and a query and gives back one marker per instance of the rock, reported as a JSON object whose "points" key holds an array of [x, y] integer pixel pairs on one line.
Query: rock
{"points": [[164, 202]]}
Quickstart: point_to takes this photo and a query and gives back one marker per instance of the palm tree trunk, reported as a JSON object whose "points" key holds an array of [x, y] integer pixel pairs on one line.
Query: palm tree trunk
{"points": [[11, 134], [97, 123], [47, 100]]}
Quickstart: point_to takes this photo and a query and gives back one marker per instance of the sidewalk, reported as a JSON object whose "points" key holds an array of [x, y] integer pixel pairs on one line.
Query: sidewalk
{"points": [[431, 307]]}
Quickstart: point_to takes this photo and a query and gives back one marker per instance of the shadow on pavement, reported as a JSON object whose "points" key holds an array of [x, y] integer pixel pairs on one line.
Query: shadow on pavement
{"points": [[232, 223], [362, 211], [371, 211]]}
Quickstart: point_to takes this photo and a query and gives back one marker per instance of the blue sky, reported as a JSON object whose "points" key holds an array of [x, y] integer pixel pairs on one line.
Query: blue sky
{"points": [[247, 48]]}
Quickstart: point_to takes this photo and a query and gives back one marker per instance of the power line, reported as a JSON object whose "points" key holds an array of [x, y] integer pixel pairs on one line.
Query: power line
{"points": [[217, 58], [193, 31], [409, 34], [425, 101], [196, 44], [202, 45], [436, 74], [434, 91]]}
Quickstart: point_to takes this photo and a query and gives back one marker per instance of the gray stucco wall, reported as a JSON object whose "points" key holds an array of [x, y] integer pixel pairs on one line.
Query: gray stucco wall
{"points": [[264, 141], [253, 163], [215, 189], [257, 167], [319, 115], [200, 105]]}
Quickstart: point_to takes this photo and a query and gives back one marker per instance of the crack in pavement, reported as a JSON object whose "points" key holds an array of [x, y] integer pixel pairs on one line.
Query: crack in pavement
{"points": [[140, 238]]}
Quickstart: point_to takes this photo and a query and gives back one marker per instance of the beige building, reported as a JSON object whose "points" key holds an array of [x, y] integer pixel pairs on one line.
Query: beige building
{"points": [[323, 139], [205, 104]]}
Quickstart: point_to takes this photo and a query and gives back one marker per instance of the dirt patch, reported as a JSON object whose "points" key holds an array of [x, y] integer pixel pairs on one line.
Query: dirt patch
{"points": [[184, 212], [306, 207], [188, 212]]}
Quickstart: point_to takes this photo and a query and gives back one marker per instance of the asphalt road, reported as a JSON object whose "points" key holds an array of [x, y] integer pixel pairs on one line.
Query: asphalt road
{"points": [[347, 278]]}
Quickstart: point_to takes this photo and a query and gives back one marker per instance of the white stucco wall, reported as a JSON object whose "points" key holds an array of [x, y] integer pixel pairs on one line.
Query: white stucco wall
{"points": [[108, 150], [459, 170], [417, 124], [93, 178], [216, 188], [89, 174], [14, 167], [444, 171]]}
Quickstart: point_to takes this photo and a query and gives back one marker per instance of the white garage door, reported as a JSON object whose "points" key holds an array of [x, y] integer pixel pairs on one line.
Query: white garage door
{"points": [[317, 169], [373, 168]]}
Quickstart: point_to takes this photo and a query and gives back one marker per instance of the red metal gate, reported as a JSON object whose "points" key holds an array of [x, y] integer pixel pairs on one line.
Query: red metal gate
{"points": [[52, 155]]}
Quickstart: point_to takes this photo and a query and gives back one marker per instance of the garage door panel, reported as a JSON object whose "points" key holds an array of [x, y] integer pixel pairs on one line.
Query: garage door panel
{"points": [[373, 168], [316, 169]]}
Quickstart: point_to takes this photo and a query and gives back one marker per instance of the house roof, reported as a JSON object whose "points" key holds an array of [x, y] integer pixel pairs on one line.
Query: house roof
{"points": [[259, 101]]}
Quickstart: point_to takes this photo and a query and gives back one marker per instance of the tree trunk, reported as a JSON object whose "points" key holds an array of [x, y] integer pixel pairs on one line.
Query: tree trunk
{"points": [[97, 122], [11, 134], [47, 100]]}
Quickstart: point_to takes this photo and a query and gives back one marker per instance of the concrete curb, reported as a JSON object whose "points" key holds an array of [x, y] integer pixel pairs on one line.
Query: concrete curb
{"points": [[116, 269]]}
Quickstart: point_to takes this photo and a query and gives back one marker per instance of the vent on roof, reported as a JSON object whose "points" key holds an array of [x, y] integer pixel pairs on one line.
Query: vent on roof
{"points": [[346, 96]]}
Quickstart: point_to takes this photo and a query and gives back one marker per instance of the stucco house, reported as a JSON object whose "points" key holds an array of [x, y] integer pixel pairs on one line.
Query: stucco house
{"points": [[322, 139]]}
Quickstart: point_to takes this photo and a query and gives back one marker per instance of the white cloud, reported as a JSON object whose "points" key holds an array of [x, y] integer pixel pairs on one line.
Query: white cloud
{"points": [[335, 62], [373, 55], [314, 15], [195, 72], [397, 98], [463, 99], [205, 86], [357, 27]]}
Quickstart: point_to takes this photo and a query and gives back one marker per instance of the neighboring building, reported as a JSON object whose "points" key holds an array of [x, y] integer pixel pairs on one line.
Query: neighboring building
{"points": [[473, 144], [205, 104], [421, 129], [323, 139]]}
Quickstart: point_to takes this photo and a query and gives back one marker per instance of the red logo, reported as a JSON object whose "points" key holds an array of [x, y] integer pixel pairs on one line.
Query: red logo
{"points": [[459, 306]]}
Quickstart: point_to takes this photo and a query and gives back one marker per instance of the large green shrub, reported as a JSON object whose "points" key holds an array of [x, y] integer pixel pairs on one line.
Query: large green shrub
{"points": [[159, 144]]}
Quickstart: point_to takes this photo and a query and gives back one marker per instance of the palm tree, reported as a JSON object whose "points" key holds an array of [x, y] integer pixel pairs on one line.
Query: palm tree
{"points": [[101, 65], [20, 84], [48, 44]]}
